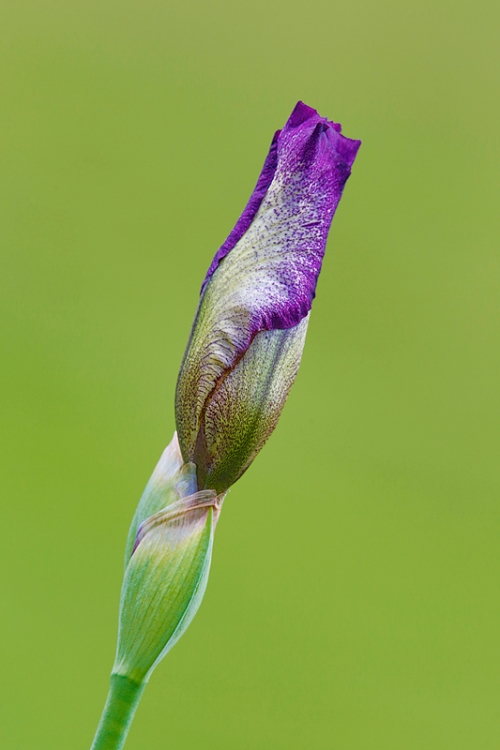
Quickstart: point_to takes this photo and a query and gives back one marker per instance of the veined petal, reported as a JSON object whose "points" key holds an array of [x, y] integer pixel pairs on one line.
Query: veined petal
{"points": [[264, 276], [250, 397]]}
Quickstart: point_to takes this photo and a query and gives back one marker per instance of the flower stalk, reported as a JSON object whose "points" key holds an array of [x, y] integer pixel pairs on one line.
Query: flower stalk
{"points": [[122, 701]]}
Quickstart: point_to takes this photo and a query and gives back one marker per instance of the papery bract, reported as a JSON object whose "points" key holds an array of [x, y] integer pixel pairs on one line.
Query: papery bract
{"points": [[171, 480]]}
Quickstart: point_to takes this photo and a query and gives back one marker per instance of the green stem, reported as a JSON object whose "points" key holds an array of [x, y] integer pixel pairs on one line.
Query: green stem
{"points": [[123, 698]]}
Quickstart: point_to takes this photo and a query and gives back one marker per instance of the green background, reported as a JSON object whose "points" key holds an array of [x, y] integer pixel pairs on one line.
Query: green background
{"points": [[354, 596]]}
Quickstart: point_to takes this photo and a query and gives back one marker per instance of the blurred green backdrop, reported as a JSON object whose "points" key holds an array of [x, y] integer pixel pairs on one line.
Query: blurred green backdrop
{"points": [[354, 597]]}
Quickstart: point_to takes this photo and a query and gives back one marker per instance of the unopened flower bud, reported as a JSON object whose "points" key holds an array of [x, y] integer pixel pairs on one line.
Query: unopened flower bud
{"points": [[249, 330]]}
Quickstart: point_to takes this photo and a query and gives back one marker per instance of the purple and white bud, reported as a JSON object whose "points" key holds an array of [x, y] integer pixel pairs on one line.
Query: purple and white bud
{"points": [[249, 330]]}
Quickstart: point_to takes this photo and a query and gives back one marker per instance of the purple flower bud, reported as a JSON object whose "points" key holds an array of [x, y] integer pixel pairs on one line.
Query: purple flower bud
{"points": [[249, 329]]}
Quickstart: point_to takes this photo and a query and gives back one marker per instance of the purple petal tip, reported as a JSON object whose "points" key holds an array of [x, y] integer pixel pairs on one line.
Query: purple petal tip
{"points": [[307, 138], [345, 148], [301, 113]]}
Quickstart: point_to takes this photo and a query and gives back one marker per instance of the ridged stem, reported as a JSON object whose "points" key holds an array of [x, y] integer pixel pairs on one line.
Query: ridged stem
{"points": [[123, 698]]}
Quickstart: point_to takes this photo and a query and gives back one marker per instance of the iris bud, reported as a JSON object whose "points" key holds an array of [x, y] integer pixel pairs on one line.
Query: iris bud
{"points": [[249, 330]]}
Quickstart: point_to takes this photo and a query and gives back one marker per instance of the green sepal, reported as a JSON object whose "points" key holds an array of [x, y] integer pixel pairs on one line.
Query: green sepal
{"points": [[164, 582]]}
